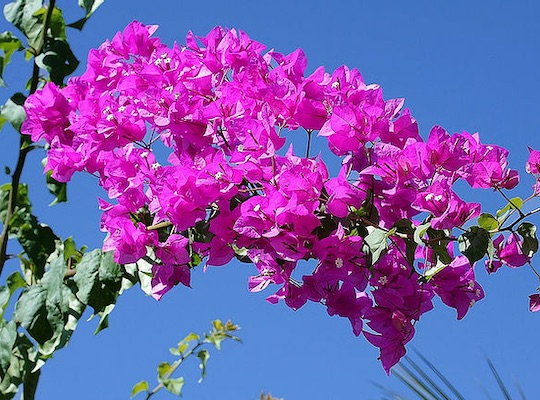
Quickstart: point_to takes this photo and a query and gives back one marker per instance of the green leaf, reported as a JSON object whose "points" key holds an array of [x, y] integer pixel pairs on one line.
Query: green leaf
{"points": [[45, 309], [164, 368], [430, 273], [203, 355], [491, 256], [13, 111], [8, 44], [21, 14], [37, 240], [514, 203], [57, 26], [58, 59], [14, 282], [376, 242], [488, 222], [70, 249], [104, 318], [530, 241], [8, 335], [90, 6], [4, 298], [474, 243], [420, 231], [30, 385], [57, 189], [174, 386], [438, 241], [139, 387], [98, 280], [31, 312]]}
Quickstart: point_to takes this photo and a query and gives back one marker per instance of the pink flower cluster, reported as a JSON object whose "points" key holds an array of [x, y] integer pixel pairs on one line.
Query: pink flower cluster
{"points": [[189, 143]]}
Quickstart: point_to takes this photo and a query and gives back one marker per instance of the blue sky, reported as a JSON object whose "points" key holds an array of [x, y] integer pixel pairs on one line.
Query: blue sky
{"points": [[465, 65]]}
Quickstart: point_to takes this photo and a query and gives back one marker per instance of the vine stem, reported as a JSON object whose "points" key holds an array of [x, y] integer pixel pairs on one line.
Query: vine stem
{"points": [[24, 149]]}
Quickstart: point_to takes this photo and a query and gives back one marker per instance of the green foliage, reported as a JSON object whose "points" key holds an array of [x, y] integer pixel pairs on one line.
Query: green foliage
{"points": [[8, 44], [57, 280], [50, 309], [474, 243], [21, 13], [13, 111], [530, 241], [58, 59], [57, 189], [90, 6], [191, 345]]}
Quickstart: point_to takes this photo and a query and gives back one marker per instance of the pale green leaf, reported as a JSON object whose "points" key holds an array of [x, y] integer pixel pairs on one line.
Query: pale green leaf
{"points": [[203, 355], [163, 369], [174, 386], [139, 387], [376, 242], [488, 222]]}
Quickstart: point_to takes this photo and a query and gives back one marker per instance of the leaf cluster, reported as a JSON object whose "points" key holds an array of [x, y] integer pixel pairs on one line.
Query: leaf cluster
{"points": [[192, 345]]}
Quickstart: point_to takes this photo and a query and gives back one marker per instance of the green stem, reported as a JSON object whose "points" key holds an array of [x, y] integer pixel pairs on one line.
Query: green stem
{"points": [[510, 201], [521, 218], [24, 149], [308, 148], [174, 367]]}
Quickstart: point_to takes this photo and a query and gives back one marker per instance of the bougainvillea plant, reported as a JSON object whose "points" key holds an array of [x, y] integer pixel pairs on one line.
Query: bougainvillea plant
{"points": [[189, 142]]}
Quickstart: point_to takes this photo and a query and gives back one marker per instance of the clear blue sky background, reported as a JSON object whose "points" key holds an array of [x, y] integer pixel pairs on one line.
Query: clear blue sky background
{"points": [[464, 65]]}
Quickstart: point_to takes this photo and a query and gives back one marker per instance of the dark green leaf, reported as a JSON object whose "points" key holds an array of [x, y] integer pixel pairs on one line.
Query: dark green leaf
{"points": [[21, 14], [58, 59], [44, 308], [90, 6], [98, 280], [31, 312], [139, 387], [530, 241], [474, 243], [404, 226], [30, 385], [174, 386], [37, 240], [13, 110], [488, 222], [203, 355], [57, 189], [438, 241], [8, 44]]}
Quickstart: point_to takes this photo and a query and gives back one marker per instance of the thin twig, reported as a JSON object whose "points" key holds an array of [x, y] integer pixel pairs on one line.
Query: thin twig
{"points": [[23, 149]]}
